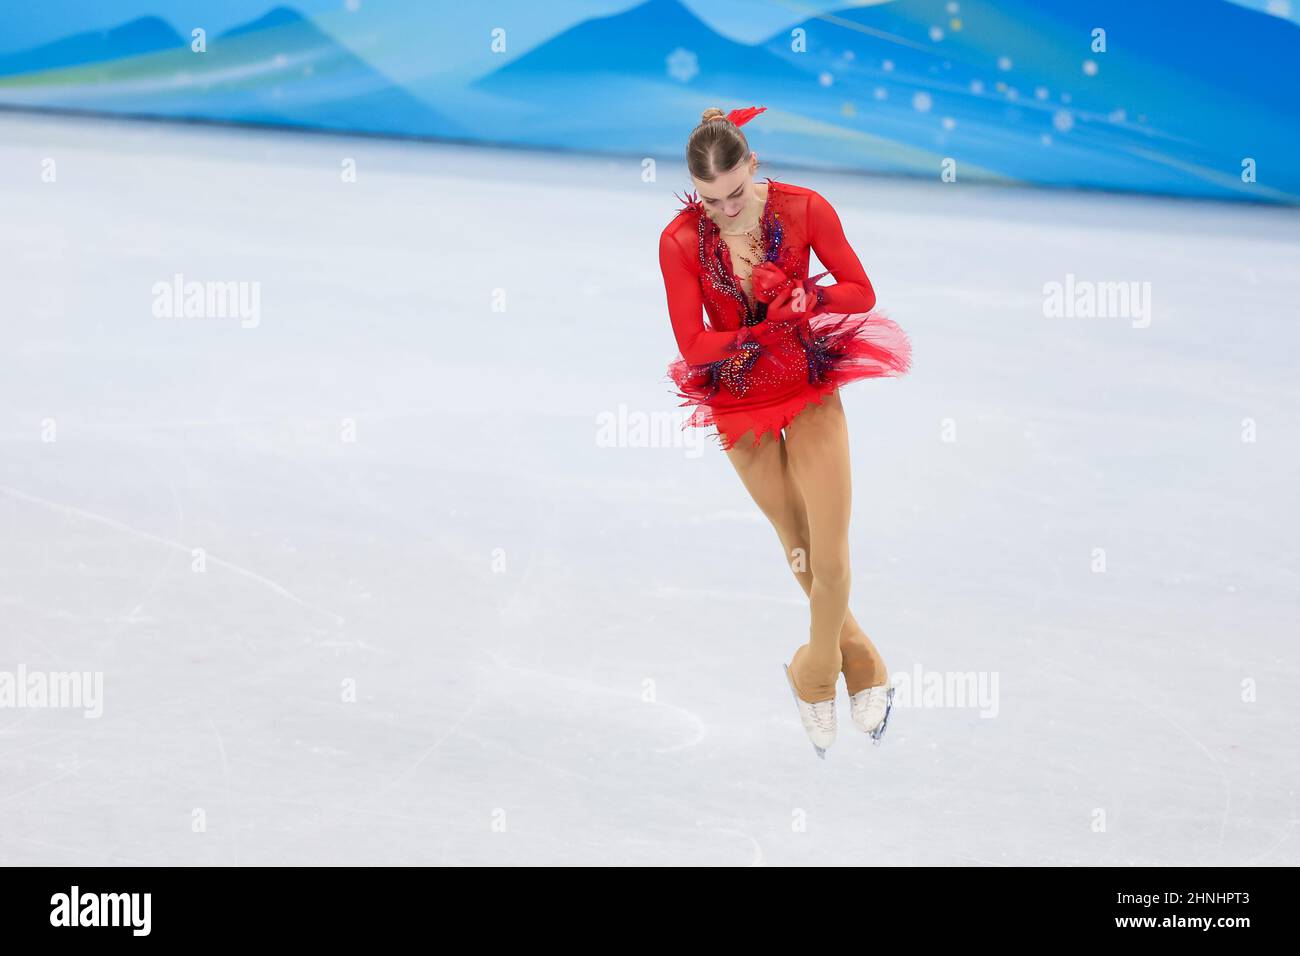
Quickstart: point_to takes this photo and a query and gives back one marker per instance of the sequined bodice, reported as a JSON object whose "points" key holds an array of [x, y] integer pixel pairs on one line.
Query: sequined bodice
{"points": [[709, 303], [726, 292], [742, 254]]}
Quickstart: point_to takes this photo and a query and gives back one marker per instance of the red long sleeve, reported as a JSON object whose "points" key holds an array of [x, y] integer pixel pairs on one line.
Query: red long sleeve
{"points": [[698, 345], [852, 291]]}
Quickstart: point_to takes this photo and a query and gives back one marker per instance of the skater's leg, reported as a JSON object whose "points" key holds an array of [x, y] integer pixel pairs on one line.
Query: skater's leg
{"points": [[817, 445], [765, 472], [863, 665]]}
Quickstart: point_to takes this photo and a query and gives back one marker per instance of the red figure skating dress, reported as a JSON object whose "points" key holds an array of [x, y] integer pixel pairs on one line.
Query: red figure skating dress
{"points": [[748, 372]]}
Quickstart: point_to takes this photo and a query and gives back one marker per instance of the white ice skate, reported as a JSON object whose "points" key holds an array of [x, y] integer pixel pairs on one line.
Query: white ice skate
{"points": [[818, 719], [871, 707]]}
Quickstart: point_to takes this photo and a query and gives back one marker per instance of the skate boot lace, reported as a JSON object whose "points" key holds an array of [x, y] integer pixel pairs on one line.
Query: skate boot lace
{"points": [[823, 714], [864, 701]]}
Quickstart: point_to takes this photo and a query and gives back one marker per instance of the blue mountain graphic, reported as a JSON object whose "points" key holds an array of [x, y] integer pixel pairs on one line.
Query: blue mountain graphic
{"points": [[637, 43], [278, 69], [320, 82], [145, 35], [1182, 85], [275, 17]]}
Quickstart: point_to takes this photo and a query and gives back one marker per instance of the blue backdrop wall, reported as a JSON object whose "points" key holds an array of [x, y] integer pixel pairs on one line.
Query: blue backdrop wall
{"points": [[1189, 97]]}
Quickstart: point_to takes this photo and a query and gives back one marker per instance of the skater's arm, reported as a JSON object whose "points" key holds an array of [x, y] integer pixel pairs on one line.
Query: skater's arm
{"points": [[698, 345], [852, 291]]}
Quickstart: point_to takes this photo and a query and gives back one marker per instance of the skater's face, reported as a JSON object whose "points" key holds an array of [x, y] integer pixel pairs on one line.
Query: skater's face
{"points": [[731, 193]]}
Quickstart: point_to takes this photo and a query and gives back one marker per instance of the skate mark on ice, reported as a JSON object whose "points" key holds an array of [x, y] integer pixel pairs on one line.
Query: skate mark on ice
{"points": [[167, 542], [675, 592], [9, 729], [1287, 833], [1227, 784], [358, 644], [757, 859], [464, 716], [590, 686], [37, 786], [1214, 762], [225, 775], [167, 565]]}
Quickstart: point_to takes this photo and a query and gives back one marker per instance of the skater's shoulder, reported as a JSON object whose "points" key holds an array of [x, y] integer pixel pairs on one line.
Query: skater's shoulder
{"points": [[687, 216], [792, 189], [813, 198], [798, 202], [681, 232]]}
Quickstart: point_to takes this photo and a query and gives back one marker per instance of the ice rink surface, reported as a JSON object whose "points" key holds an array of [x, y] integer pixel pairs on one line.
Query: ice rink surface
{"points": [[392, 572]]}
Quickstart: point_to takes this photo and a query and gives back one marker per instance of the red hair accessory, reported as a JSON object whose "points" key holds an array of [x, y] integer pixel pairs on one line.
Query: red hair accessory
{"points": [[742, 116]]}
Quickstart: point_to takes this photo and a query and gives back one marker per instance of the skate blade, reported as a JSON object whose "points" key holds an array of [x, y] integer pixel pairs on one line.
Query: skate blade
{"points": [[884, 721], [821, 751]]}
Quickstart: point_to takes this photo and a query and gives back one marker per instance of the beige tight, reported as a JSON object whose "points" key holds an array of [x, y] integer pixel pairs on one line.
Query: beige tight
{"points": [[801, 482]]}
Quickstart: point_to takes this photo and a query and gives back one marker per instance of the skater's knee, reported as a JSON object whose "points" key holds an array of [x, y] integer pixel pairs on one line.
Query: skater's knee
{"points": [[796, 552], [831, 569], [789, 528], [796, 547]]}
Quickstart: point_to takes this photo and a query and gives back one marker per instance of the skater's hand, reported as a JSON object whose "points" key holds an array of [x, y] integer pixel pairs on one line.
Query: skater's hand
{"points": [[791, 306], [769, 281]]}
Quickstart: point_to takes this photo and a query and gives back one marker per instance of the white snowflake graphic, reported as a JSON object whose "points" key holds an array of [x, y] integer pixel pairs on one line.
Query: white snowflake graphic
{"points": [[683, 65]]}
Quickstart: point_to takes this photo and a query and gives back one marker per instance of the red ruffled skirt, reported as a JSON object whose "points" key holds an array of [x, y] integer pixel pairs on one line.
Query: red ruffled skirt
{"points": [[785, 367]]}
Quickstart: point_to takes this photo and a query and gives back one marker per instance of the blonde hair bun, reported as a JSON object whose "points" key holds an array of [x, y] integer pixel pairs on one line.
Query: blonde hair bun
{"points": [[712, 113]]}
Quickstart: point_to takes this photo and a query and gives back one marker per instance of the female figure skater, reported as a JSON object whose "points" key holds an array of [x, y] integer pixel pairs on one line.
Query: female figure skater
{"points": [[776, 349]]}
